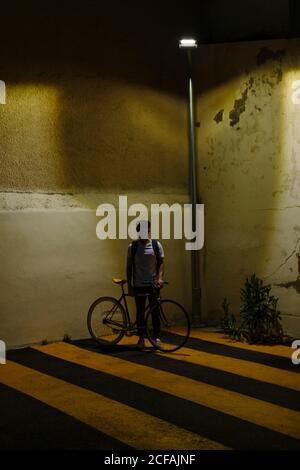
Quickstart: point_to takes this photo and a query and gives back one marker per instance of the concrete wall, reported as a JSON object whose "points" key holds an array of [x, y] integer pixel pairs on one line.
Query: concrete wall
{"points": [[53, 266], [90, 113], [249, 171]]}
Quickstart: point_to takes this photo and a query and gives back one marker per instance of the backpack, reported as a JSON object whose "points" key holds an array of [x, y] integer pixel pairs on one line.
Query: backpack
{"points": [[134, 247]]}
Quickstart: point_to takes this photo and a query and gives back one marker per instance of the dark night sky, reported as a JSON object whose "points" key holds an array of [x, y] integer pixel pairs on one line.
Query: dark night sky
{"points": [[210, 20]]}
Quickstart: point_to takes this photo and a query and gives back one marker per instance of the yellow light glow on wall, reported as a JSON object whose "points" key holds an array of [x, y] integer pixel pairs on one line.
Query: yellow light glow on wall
{"points": [[31, 139], [2, 92]]}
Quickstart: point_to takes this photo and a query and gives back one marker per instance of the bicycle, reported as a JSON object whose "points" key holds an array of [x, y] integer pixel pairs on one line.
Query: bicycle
{"points": [[109, 320]]}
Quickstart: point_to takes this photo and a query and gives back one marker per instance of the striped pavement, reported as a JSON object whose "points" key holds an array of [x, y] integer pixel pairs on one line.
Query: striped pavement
{"points": [[213, 394]]}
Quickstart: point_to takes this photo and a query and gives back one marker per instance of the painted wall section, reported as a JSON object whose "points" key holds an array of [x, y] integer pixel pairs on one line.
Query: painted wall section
{"points": [[249, 171], [61, 142], [92, 111], [54, 267], [92, 134]]}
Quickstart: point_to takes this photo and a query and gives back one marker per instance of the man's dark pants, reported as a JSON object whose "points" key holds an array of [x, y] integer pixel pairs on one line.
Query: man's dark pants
{"points": [[140, 294]]}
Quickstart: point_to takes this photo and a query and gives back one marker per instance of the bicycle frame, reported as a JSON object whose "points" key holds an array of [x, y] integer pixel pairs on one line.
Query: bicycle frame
{"points": [[129, 326], [118, 319]]}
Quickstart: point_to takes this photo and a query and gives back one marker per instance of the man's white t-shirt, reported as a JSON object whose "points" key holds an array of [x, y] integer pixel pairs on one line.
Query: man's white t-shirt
{"points": [[145, 262]]}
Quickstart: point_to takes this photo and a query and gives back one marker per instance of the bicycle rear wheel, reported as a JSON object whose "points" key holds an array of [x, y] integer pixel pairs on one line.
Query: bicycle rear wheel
{"points": [[167, 325], [106, 321]]}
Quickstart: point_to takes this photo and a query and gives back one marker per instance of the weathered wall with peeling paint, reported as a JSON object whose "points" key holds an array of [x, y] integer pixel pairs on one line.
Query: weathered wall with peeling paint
{"points": [[249, 171]]}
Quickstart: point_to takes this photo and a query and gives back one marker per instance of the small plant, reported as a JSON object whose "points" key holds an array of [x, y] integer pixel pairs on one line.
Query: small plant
{"points": [[44, 342], [66, 338], [259, 317], [229, 323], [259, 314]]}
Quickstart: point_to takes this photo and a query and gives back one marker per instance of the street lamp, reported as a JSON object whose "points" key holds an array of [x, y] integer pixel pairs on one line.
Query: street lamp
{"points": [[190, 44]]}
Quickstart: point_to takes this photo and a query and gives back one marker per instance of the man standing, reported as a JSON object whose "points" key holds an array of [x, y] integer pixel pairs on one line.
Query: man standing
{"points": [[145, 270]]}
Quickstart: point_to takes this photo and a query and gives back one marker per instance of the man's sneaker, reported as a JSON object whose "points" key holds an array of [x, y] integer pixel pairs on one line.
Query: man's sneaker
{"points": [[141, 343], [157, 342]]}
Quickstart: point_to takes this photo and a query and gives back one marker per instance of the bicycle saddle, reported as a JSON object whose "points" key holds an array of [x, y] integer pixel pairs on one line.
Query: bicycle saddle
{"points": [[121, 282]]}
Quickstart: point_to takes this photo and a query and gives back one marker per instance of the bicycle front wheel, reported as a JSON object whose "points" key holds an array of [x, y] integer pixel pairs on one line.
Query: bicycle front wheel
{"points": [[106, 321], [167, 325]]}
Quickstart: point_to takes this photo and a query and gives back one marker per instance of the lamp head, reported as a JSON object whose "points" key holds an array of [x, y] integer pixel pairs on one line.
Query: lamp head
{"points": [[188, 43]]}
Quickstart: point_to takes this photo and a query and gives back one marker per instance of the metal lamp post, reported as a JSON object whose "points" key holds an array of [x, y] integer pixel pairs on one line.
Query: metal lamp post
{"points": [[189, 45]]}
